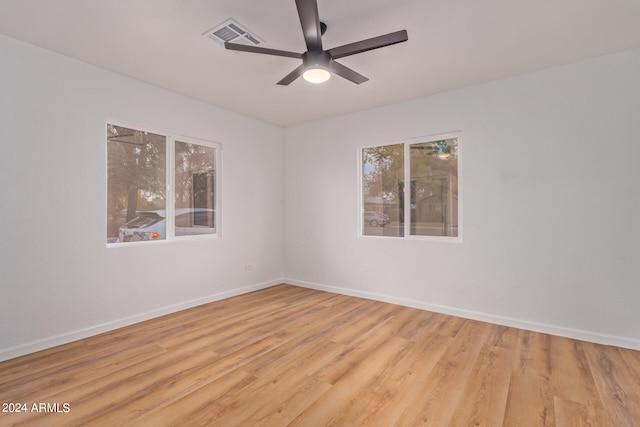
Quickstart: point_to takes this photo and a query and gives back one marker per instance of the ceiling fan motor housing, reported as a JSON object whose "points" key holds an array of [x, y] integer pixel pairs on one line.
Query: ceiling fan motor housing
{"points": [[316, 59]]}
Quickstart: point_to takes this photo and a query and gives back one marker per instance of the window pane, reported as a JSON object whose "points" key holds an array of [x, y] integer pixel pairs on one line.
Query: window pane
{"points": [[434, 188], [136, 185], [195, 189], [383, 189]]}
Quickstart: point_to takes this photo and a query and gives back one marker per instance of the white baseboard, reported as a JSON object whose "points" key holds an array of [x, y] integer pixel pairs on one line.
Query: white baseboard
{"points": [[578, 334], [64, 338], [67, 337]]}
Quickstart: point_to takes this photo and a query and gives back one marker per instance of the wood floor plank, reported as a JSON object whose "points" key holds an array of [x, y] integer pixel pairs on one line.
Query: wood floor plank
{"points": [[632, 359], [126, 385], [304, 340], [572, 380], [533, 352], [75, 375], [185, 386], [442, 390], [293, 356], [333, 408], [356, 351], [571, 414], [384, 402], [530, 402], [503, 336], [485, 396], [417, 324], [281, 397], [617, 386], [442, 324], [196, 408], [281, 409]]}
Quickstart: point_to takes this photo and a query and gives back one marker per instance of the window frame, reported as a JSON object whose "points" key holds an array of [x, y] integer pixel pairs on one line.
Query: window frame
{"points": [[406, 190], [170, 208]]}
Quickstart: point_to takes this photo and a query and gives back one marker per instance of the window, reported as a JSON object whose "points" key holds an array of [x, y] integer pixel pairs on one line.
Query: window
{"points": [[429, 204], [194, 187], [383, 190], [139, 185]]}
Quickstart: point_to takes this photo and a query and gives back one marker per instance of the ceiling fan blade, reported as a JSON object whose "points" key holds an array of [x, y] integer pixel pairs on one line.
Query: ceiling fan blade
{"points": [[346, 72], [310, 22], [263, 50], [369, 44], [291, 76]]}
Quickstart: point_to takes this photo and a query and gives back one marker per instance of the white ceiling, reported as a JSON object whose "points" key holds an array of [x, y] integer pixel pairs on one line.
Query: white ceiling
{"points": [[452, 44]]}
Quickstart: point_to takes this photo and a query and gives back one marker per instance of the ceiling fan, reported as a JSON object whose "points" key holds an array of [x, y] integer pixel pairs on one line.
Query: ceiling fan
{"points": [[318, 64]]}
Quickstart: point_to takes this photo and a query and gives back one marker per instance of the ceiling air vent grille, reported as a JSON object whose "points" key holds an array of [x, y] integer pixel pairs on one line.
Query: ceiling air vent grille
{"points": [[231, 31]]}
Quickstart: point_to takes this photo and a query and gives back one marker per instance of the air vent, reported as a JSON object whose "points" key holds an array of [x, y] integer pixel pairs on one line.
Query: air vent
{"points": [[231, 31]]}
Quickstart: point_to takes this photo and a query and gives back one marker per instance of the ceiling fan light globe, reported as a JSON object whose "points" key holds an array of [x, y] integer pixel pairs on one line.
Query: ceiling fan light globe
{"points": [[316, 75]]}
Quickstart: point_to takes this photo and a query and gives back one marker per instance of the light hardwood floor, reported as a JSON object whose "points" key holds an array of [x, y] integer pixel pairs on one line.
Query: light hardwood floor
{"points": [[294, 356]]}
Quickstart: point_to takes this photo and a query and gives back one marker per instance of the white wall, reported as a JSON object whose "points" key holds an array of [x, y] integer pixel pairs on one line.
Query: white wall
{"points": [[551, 204], [58, 280]]}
